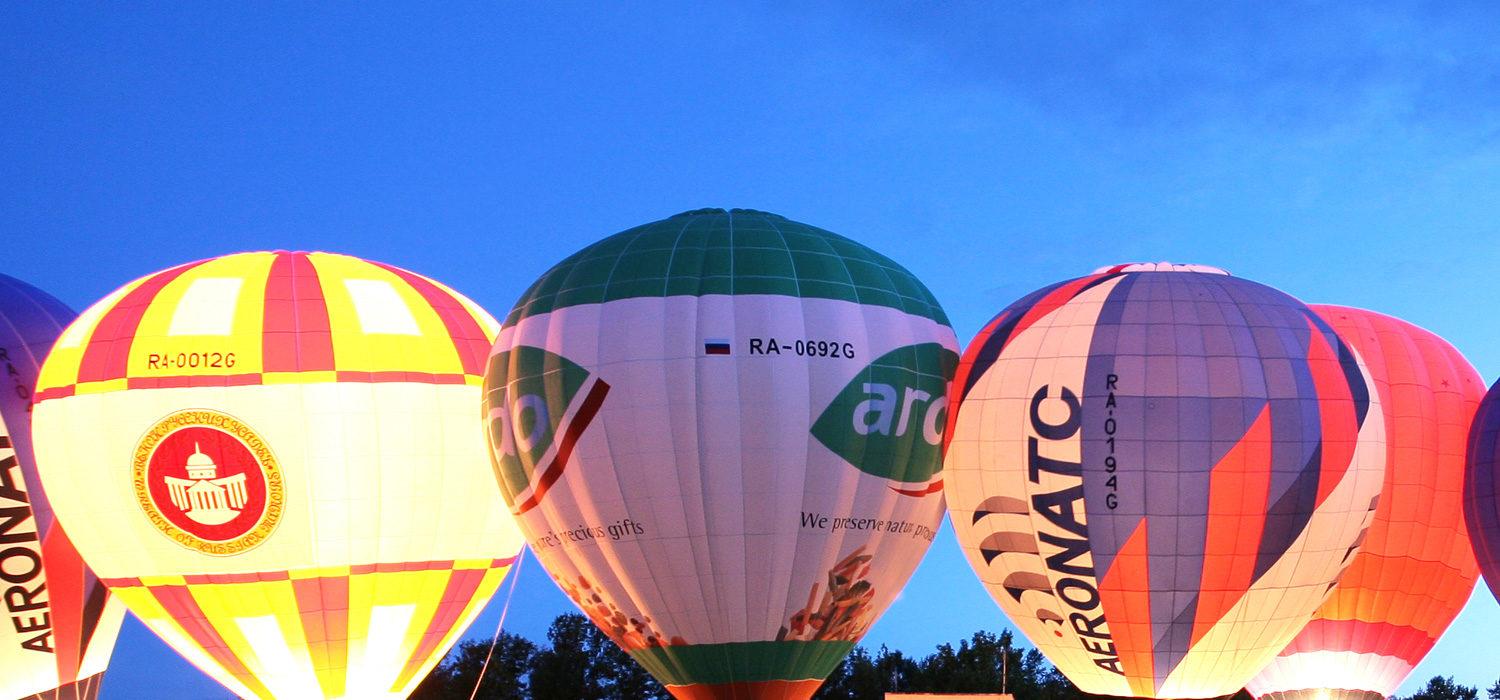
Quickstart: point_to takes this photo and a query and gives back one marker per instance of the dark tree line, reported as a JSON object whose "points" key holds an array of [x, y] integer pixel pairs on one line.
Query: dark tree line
{"points": [[1443, 688], [580, 663], [984, 663]]}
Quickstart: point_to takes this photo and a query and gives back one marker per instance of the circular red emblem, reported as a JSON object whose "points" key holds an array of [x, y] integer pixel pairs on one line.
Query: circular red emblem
{"points": [[208, 482]]}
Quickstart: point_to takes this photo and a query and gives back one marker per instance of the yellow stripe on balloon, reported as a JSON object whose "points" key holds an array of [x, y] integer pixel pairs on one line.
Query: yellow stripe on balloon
{"points": [[145, 606], [366, 300], [211, 315]]}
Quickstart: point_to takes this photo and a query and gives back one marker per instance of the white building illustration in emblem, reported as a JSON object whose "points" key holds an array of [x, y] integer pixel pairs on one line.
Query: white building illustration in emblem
{"points": [[203, 497]]}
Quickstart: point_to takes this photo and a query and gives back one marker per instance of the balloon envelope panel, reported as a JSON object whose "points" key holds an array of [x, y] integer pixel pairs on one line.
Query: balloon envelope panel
{"points": [[1158, 471], [284, 476], [721, 433], [61, 621], [1482, 487], [1415, 569]]}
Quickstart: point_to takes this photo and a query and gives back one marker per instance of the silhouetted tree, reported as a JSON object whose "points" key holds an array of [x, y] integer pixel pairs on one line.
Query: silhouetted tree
{"points": [[1494, 691], [504, 679], [1440, 688], [861, 676], [981, 664], [583, 664]]}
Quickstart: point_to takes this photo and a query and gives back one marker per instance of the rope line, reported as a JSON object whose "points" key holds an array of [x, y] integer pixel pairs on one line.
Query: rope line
{"points": [[515, 577]]}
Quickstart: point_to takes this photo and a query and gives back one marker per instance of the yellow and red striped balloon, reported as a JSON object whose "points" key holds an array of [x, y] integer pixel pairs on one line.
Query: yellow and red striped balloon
{"points": [[274, 459]]}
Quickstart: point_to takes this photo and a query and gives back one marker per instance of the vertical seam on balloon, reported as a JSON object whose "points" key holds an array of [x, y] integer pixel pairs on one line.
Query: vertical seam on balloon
{"points": [[666, 282], [807, 449], [705, 554], [787, 247], [588, 502], [610, 278]]}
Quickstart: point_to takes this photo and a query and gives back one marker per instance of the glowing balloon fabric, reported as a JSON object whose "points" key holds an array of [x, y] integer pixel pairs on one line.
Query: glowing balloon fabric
{"points": [[274, 460], [721, 434], [60, 622], [1158, 471], [1415, 569]]}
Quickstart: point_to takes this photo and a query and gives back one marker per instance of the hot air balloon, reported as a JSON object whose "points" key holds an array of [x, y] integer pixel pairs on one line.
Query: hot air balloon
{"points": [[1158, 471], [1482, 487], [274, 460], [1415, 569], [721, 435], [61, 622]]}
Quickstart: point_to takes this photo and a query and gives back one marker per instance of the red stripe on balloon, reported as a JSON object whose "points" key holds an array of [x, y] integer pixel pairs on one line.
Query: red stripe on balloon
{"points": [[323, 606], [929, 489], [1052, 302], [247, 577], [1340, 433], [107, 355], [67, 591], [456, 597], [56, 392], [961, 376], [1400, 641], [1125, 594], [389, 377], [1239, 488], [179, 604], [127, 582], [180, 381], [469, 339], [296, 335], [574, 430], [193, 380]]}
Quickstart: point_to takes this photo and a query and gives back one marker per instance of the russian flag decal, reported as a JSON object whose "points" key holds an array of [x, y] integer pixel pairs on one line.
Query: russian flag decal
{"points": [[716, 346]]}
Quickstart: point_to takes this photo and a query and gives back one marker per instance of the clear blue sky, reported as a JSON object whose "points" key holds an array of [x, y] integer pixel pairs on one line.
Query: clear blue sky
{"points": [[1344, 154]]}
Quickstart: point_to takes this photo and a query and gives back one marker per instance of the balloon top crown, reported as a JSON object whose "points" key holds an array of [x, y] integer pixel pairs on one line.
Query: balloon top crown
{"points": [[711, 252], [720, 211], [1163, 266]]}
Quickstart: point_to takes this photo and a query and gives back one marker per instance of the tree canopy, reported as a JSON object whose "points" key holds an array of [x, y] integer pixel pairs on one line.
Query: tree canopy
{"points": [[580, 663]]}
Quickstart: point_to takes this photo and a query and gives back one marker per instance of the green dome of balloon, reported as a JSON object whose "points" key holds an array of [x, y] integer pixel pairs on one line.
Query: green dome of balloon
{"points": [[738, 251]]}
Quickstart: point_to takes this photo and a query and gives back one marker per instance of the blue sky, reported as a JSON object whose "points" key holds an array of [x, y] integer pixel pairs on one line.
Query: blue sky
{"points": [[1343, 154]]}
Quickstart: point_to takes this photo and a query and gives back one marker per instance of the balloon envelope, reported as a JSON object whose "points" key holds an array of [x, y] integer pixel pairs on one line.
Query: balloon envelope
{"points": [[721, 434], [1415, 569], [1158, 471], [274, 460], [62, 623]]}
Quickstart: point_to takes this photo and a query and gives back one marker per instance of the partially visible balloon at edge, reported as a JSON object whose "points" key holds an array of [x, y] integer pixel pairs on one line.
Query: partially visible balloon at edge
{"points": [[1482, 488], [1415, 569], [61, 622]]}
